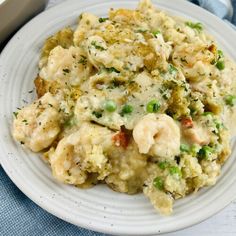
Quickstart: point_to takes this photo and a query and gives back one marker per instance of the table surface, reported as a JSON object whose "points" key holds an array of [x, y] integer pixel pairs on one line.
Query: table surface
{"points": [[222, 224]]}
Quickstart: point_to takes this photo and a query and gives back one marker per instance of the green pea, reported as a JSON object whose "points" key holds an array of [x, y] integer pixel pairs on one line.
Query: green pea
{"points": [[110, 106], [158, 183], [174, 170], [153, 106], [219, 125], [127, 109], [230, 100], [163, 165], [184, 148], [220, 65], [205, 152], [220, 53]]}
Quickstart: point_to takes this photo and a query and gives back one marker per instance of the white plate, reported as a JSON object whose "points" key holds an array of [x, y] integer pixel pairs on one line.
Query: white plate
{"points": [[98, 208]]}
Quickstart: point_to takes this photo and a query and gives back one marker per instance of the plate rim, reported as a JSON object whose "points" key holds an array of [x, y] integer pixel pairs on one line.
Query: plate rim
{"points": [[26, 191]]}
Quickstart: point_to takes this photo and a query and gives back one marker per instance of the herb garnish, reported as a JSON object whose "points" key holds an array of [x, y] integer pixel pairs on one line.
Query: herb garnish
{"points": [[94, 43]]}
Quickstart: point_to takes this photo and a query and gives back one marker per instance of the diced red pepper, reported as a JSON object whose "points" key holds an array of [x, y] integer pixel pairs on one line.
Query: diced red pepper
{"points": [[121, 139], [187, 122]]}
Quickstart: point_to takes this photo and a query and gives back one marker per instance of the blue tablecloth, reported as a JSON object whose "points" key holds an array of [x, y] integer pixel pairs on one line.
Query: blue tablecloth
{"points": [[19, 216]]}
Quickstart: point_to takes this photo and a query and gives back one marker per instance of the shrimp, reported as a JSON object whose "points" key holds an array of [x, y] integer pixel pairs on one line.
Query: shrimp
{"points": [[37, 125], [197, 135], [157, 135], [81, 153], [64, 163]]}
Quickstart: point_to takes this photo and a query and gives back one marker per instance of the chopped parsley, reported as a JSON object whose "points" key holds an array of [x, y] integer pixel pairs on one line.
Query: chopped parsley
{"points": [[15, 114], [183, 60], [25, 121], [97, 114], [66, 70], [172, 70], [141, 30], [219, 125], [83, 60], [112, 69], [156, 32], [114, 84], [207, 113], [99, 47], [71, 121], [165, 93], [197, 26], [103, 19]]}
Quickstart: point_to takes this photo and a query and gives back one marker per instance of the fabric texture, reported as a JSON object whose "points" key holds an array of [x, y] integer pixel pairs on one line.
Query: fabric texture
{"points": [[22, 217], [221, 8], [225, 9]]}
